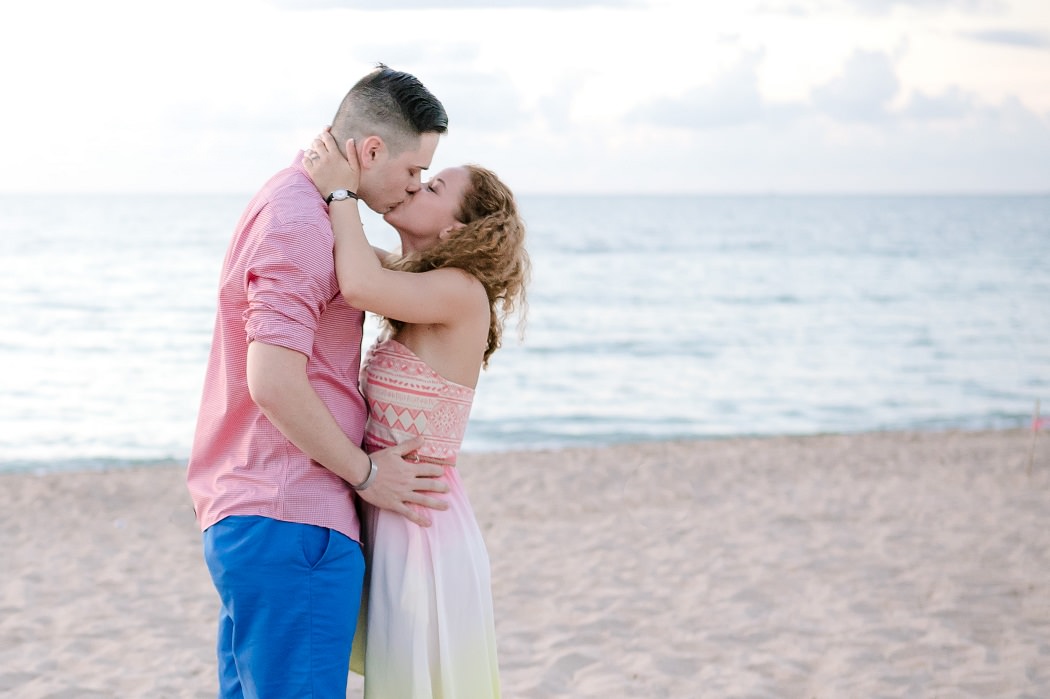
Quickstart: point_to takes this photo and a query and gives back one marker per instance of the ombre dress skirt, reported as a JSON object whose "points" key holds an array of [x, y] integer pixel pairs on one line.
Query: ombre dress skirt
{"points": [[427, 627]]}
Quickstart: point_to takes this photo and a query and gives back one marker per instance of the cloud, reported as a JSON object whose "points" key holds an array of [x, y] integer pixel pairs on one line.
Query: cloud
{"points": [[732, 99], [861, 93], [1011, 37], [882, 7], [478, 101], [954, 103], [556, 106], [787, 9], [867, 84], [995, 148], [453, 4]]}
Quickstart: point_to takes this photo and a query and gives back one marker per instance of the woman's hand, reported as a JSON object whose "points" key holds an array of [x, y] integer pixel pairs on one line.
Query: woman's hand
{"points": [[327, 167]]}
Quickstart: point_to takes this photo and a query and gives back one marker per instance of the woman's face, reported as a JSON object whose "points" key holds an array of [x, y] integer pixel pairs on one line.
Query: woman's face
{"points": [[426, 214]]}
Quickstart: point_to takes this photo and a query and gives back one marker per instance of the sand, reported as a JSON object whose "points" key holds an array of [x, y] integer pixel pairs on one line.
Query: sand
{"points": [[875, 565]]}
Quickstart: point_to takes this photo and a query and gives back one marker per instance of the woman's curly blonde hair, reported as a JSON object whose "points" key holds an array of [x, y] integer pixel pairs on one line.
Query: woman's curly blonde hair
{"points": [[490, 247]]}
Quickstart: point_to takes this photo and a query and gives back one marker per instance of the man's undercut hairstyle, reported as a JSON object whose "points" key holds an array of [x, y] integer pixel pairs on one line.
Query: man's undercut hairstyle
{"points": [[391, 104]]}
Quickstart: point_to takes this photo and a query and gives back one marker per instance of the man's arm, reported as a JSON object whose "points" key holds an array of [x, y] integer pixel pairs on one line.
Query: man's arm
{"points": [[278, 384]]}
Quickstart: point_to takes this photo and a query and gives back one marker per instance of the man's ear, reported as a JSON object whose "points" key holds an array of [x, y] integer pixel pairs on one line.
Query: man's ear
{"points": [[447, 233], [370, 150]]}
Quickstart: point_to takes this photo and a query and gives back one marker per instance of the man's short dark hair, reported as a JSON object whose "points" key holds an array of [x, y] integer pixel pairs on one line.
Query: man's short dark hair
{"points": [[391, 103]]}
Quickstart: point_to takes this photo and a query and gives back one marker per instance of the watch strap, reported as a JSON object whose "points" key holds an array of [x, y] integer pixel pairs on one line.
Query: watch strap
{"points": [[331, 197]]}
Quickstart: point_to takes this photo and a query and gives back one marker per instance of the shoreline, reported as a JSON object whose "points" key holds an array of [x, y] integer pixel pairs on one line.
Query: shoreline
{"points": [[880, 563], [100, 464]]}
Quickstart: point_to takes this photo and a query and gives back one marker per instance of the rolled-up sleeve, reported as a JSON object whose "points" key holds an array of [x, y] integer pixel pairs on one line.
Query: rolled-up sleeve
{"points": [[289, 280]]}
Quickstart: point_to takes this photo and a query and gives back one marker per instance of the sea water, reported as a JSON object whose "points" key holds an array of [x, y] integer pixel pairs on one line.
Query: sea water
{"points": [[649, 318]]}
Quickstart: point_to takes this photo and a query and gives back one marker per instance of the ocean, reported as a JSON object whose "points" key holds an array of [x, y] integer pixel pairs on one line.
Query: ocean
{"points": [[650, 318]]}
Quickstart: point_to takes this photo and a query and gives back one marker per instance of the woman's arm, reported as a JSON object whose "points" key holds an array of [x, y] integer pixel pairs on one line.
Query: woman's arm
{"points": [[437, 296]]}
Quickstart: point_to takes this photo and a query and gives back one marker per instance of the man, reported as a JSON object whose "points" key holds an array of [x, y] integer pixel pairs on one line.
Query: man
{"points": [[276, 460]]}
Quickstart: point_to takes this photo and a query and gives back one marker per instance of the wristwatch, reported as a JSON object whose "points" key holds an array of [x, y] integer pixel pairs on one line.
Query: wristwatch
{"points": [[339, 195]]}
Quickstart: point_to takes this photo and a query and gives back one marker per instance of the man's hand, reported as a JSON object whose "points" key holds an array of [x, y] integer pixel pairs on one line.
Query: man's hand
{"points": [[399, 484]]}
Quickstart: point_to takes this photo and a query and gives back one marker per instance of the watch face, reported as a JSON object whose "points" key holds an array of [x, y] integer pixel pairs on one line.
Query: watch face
{"points": [[340, 195]]}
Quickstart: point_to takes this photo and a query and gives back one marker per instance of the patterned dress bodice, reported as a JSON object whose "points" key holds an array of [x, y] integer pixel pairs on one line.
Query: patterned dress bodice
{"points": [[406, 398]]}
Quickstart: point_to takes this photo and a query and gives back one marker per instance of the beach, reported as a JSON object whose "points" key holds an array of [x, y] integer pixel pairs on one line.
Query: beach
{"points": [[862, 565]]}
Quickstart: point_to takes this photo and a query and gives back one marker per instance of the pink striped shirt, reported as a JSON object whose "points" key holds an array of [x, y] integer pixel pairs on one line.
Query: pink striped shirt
{"points": [[277, 286]]}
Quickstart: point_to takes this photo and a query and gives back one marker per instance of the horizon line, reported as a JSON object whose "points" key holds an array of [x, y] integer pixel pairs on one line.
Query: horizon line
{"points": [[585, 194]]}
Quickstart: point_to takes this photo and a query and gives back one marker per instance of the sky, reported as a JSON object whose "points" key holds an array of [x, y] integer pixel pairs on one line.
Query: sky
{"points": [[573, 97]]}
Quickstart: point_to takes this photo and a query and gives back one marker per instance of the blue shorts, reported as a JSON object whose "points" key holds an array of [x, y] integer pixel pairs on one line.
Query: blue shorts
{"points": [[290, 595]]}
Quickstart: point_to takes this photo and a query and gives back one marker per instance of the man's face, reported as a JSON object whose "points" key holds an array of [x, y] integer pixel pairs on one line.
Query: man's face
{"points": [[392, 179]]}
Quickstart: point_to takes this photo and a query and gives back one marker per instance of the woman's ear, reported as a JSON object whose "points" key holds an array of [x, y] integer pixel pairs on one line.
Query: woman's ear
{"points": [[447, 233]]}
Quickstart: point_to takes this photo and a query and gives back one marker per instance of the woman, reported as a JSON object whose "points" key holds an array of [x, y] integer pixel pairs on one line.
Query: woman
{"points": [[463, 267]]}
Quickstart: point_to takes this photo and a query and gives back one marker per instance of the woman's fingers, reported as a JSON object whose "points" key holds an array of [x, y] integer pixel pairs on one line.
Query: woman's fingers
{"points": [[324, 143]]}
